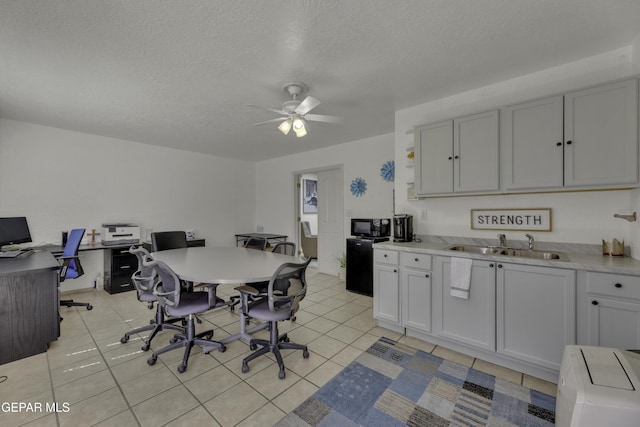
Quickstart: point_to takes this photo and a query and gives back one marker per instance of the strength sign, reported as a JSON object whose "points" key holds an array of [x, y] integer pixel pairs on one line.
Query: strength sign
{"points": [[534, 219]]}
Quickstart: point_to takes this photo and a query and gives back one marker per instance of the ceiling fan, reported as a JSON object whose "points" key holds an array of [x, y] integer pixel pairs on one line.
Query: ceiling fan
{"points": [[296, 113]]}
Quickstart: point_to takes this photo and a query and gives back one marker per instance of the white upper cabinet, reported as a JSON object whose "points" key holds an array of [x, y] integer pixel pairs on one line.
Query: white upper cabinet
{"points": [[459, 155], [434, 158], [532, 136], [601, 135], [475, 152]]}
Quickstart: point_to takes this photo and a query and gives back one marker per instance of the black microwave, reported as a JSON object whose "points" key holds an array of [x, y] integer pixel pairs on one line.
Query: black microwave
{"points": [[370, 227]]}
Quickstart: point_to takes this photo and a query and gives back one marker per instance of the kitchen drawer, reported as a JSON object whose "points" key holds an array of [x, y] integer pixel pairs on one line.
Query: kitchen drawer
{"points": [[415, 260], [383, 256], [615, 285]]}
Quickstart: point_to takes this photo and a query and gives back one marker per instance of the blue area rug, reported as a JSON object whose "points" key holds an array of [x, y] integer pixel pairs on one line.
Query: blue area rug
{"points": [[392, 384]]}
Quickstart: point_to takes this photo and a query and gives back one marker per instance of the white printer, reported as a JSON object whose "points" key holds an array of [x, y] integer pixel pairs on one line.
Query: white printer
{"points": [[598, 386], [120, 234]]}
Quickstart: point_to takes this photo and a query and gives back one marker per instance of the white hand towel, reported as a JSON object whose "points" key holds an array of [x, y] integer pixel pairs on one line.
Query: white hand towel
{"points": [[460, 277]]}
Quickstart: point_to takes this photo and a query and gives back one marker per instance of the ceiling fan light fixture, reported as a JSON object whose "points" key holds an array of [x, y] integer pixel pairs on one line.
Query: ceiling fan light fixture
{"points": [[285, 126], [299, 126]]}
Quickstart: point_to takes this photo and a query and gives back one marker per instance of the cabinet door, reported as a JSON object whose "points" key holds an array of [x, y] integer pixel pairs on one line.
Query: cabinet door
{"points": [[434, 158], [470, 321], [535, 313], [532, 140], [601, 135], [386, 293], [613, 323], [475, 152], [416, 299]]}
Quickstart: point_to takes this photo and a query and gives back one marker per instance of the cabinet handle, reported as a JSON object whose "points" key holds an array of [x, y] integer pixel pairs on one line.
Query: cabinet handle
{"points": [[618, 285], [569, 142], [490, 265], [450, 157], [385, 255], [456, 157], [416, 259], [395, 271], [594, 302], [499, 265], [426, 275], [125, 267], [558, 144]]}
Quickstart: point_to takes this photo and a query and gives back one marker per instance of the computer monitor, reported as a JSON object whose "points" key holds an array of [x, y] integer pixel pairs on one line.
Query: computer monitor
{"points": [[14, 230]]}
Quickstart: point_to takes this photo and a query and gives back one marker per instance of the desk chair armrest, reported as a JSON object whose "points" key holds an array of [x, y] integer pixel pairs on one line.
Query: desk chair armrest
{"points": [[249, 290]]}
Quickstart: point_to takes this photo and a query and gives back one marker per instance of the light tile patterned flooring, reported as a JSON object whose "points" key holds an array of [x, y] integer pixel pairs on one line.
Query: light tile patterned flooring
{"points": [[96, 380]]}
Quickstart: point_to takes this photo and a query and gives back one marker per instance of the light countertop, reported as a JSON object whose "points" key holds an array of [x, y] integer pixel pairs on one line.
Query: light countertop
{"points": [[577, 260]]}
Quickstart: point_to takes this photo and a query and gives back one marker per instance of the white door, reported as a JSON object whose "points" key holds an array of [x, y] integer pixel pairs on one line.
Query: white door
{"points": [[331, 243]]}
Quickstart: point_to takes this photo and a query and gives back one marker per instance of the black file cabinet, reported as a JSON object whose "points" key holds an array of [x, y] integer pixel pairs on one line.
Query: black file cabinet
{"points": [[119, 265]]}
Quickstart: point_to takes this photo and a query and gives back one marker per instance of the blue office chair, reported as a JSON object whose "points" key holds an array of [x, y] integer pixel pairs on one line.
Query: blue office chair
{"points": [[71, 267]]}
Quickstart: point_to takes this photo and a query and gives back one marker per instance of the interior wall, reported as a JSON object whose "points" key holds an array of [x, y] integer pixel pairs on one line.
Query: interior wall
{"points": [[634, 227], [362, 158], [577, 217], [61, 179]]}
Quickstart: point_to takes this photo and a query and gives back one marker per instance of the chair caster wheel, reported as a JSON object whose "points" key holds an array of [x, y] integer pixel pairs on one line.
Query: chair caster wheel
{"points": [[124, 339], [152, 360], [281, 374], [184, 322], [209, 335], [145, 347], [245, 368], [182, 368], [89, 307], [223, 348], [285, 339], [173, 340], [252, 347], [305, 354]]}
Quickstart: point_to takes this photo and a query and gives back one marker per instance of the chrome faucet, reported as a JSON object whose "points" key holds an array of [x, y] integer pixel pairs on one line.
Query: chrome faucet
{"points": [[503, 240], [530, 237]]}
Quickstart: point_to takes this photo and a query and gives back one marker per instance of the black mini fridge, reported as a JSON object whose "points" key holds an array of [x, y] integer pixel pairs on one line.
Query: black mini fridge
{"points": [[360, 264]]}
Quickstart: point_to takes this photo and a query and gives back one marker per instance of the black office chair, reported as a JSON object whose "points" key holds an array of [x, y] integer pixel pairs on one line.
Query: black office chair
{"points": [[165, 240], [273, 308], [144, 280], [178, 303], [71, 267], [258, 243]]}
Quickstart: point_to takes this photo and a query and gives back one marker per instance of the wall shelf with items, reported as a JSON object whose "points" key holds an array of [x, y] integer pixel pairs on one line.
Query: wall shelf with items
{"points": [[410, 157]]}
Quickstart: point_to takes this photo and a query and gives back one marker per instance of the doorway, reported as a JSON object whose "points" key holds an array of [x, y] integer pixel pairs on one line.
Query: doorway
{"points": [[321, 190]]}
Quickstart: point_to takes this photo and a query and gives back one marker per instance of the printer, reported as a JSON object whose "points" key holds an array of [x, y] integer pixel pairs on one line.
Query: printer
{"points": [[598, 386], [120, 234]]}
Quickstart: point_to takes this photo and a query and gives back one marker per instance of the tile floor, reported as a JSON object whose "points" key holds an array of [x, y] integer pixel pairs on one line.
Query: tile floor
{"points": [[96, 380]]}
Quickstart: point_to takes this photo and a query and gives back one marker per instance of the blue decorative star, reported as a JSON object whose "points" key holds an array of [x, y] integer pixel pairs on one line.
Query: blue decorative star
{"points": [[388, 171], [358, 187]]}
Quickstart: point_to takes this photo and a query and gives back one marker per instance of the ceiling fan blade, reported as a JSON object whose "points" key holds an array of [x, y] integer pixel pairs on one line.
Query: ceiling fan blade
{"points": [[323, 118], [279, 119], [266, 109], [308, 104]]}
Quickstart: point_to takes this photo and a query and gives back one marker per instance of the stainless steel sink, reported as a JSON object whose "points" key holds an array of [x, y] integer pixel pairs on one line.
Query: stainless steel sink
{"points": [[512, 252]]}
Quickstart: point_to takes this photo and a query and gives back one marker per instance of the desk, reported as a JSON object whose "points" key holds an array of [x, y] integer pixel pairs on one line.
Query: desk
{"points": [[225, 265], [29, 314], [275, 237]]}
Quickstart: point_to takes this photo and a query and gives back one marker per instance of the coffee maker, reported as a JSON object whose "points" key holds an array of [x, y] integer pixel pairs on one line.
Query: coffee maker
{"points": [[402, 228]]}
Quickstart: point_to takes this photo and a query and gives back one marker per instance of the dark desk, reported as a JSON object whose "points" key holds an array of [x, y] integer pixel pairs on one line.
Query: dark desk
{"points": [[29, 314], [275, 237]]}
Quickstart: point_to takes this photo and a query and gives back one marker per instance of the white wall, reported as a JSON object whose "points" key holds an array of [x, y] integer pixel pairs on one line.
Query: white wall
{"points": [[362, 158], [577, 217], [61, 179], [635, 194]]}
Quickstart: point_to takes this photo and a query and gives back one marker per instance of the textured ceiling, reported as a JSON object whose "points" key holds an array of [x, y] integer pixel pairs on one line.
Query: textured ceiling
{"points": [[179, 73]]}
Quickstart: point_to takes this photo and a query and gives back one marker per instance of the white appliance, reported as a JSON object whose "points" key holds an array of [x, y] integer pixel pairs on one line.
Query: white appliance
{"points": [[598, 386], [120, 234]]}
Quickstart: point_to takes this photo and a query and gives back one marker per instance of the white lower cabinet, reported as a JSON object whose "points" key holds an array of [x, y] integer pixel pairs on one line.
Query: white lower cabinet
{"points": [[386, 286], [470, 321], [610, 310], [416, 291], [535, 313]]}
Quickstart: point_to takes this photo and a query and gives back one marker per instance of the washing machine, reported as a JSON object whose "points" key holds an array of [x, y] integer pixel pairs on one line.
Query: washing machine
{"points": [[598, 386]]}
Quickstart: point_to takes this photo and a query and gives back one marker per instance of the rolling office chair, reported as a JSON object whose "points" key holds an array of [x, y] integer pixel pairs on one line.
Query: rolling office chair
{"points": [[258, 243], [178, 303], [71, 267], [273, 308], [166, 240], [144, 279]]}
